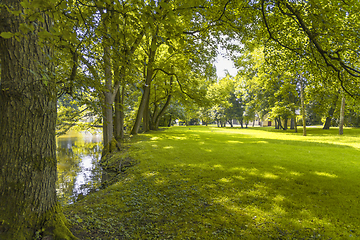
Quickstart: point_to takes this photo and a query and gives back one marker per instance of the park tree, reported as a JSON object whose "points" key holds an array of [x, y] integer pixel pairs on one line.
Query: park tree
{"points": [[28, 203], [321, 34]]}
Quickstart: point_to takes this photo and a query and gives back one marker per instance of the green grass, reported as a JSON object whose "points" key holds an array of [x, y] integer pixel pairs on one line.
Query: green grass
{"points": [[230, 183]]}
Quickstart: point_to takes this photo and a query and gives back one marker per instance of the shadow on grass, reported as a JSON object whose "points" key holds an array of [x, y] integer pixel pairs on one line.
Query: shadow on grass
{"points": [[203, 185]]}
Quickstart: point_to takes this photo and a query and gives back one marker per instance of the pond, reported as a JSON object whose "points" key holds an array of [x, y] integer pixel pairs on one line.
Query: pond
{"points": [[79, 172]]}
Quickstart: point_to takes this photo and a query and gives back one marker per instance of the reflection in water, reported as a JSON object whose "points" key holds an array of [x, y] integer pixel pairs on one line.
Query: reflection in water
{"points": [[79, 172]]}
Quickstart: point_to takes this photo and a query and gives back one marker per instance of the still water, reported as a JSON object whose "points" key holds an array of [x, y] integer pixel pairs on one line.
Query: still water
{"points": [[78, 156]]}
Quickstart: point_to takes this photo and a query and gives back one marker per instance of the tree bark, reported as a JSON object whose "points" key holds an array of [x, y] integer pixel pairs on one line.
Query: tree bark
{"points": [[285, 124], [276, 123], [146, 114], [162, 112], [342, 116], [170, 120], [292, 123], [119, 108], [27, 134], [331, 111], [108, 101], [146, 95], [302, 99]]}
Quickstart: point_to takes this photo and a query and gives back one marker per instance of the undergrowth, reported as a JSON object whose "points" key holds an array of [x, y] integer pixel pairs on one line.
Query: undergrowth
{"points": [[228, 183]]}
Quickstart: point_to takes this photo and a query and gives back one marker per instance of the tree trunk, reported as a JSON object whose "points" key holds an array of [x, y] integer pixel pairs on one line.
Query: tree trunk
{"points": [[342, 116], [146, 95], [119, 102], [285, 123], [331, 111], [292, 123], [119, 115], [302, 98], [276, 123], [108, 101], [279, 123], [241, 123], [27, 134], [146, 115], [162, 112], [170, 119]]}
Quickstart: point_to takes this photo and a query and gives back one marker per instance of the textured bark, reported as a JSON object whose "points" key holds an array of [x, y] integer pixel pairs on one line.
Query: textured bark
{"points": [[27, 134], [330, 114], [285, 124], [302, 99], [108, 101], [119, 113], [146, 116], [342, 116], [162, 112], [144, 103], [276, 123], [170, 120]]}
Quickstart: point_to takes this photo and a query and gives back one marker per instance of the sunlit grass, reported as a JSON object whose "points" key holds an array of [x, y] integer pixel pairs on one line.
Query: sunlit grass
{"points": [[228, 183]]}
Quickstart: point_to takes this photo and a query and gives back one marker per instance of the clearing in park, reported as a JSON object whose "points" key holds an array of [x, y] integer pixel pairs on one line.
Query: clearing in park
{"points": [[229, 183]]}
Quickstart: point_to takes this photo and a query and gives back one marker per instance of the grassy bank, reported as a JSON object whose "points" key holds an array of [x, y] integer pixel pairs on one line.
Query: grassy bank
{"points": [[228, 183]]}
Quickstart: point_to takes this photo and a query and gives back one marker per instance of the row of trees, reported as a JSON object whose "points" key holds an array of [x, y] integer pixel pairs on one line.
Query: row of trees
{"points": [[129, 62]]}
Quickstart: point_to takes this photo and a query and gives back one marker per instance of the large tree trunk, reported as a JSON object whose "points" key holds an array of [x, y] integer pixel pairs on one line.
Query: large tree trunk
{"points": [[146, 95], [146, 115], [162, 112], [108, 101], [330, 114], [27, 134], [285, 124], [342, 116], [119, 108], [170, 120]]}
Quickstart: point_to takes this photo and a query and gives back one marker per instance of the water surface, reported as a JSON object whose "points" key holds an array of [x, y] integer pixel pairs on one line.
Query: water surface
{"points": [[78, 156]]}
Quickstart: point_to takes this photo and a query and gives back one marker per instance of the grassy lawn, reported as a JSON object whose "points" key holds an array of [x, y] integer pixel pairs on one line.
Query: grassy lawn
{"points": [[230, 183]]}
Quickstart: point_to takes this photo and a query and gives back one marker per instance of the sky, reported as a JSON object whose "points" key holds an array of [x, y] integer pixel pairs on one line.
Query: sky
{"points": [[223, 63]]}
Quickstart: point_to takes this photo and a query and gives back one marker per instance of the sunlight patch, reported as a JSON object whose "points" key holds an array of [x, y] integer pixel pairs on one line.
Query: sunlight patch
{"points": [[159, 181], [279, 198], [270, 175], [179, 138], [218, 166], [154, 145], [279, 167], [261, 142], [154, 138], [253, 171], [296, 173], [150, 174], [225, 180], [239, 177], [235, 142], [168, 147], [221, 200], [278, 210], [326, 174]]}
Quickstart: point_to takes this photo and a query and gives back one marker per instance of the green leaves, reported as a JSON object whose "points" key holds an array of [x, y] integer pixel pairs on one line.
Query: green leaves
{"points": [[6, 35]]}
